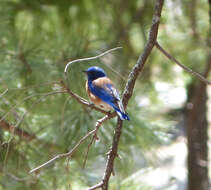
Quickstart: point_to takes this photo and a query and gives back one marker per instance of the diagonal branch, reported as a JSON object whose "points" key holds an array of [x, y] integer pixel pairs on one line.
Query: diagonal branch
{"points": [[199, 76], [64, 154], [70, 153], [129, 91], [2, 94], [147, 50]]}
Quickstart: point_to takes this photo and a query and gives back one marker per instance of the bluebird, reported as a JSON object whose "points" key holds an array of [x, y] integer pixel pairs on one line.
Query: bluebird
{"points": [[102, 93]]}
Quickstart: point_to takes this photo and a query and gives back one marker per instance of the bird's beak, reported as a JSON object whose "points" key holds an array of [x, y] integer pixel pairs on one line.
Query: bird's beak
{"points": [[84, 71]]}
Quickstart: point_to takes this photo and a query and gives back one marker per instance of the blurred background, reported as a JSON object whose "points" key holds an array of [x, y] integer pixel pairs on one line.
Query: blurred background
{"points": [[164, 146]]}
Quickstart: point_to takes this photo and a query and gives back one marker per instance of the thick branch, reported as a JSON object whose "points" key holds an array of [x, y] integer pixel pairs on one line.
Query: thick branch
{"points": [[129, 90], [112, 154], [147, 50]]}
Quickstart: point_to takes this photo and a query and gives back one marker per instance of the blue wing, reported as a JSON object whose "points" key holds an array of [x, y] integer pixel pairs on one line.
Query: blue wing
{"points": [[104, 90], [105, 93]]}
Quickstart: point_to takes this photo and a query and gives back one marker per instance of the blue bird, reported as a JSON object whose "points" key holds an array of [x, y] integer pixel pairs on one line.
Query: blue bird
{"points": [[101, 92]]}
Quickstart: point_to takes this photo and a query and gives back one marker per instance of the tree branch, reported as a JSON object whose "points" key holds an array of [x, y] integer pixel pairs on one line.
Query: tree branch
{"points": [[3, 93], [17, 131], [126, 96], [90, 58], [129, 91], [64, 154], [143, 57], [96, 186], [199, 76], [84, 102], [137, 69], [70, 153]]}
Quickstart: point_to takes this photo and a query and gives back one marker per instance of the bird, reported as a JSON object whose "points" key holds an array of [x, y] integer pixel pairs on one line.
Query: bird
{"points": [[102, 92]]}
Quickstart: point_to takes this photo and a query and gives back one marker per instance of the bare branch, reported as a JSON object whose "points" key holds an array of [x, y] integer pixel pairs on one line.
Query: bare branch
{"points": [[96, 186], [17, 178], [68, 154], [143, 57], [3, 93], [112, 155], [64, 154], [88, 148], [90, 58], [98, 124], [199, 76], [129, 91]]}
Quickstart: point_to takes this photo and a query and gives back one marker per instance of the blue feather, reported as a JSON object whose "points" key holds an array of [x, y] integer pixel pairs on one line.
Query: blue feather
{"points": [[110, 96], [107, 93]]}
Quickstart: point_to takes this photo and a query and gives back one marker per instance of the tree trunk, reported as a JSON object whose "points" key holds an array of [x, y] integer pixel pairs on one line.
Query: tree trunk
{"points": [[197, 136], [197, 128]]}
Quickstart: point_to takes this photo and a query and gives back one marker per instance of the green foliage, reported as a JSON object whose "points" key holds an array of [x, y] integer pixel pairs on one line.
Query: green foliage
{"points": [[37, 39]]}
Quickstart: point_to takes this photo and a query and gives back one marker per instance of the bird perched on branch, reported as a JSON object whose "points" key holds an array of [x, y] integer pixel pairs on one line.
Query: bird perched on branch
{"points": [[101, 92]]}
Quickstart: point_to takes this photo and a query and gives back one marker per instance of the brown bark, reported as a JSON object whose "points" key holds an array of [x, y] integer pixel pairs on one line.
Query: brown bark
{"points": [[197, 129], [16, 131], [197, 135], [137, 69], [24, 135]]}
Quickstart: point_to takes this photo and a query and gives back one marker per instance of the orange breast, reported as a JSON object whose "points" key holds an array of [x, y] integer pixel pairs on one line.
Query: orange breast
{"points": [[97, 101], [92, 97]]}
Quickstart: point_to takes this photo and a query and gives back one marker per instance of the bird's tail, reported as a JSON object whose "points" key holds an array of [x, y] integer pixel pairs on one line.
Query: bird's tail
{"points": [[120, 111]]}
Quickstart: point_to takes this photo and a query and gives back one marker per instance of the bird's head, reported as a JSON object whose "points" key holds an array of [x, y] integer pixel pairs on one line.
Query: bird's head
{"points": [[95, 73]]}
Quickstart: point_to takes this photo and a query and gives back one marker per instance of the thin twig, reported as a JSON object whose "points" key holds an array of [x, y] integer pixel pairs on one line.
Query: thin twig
{"points": [[199, 76], [90, 58], [3, 93], [17, 178], [64, 154], [96, 186], [98, 124], [88, 148]]}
